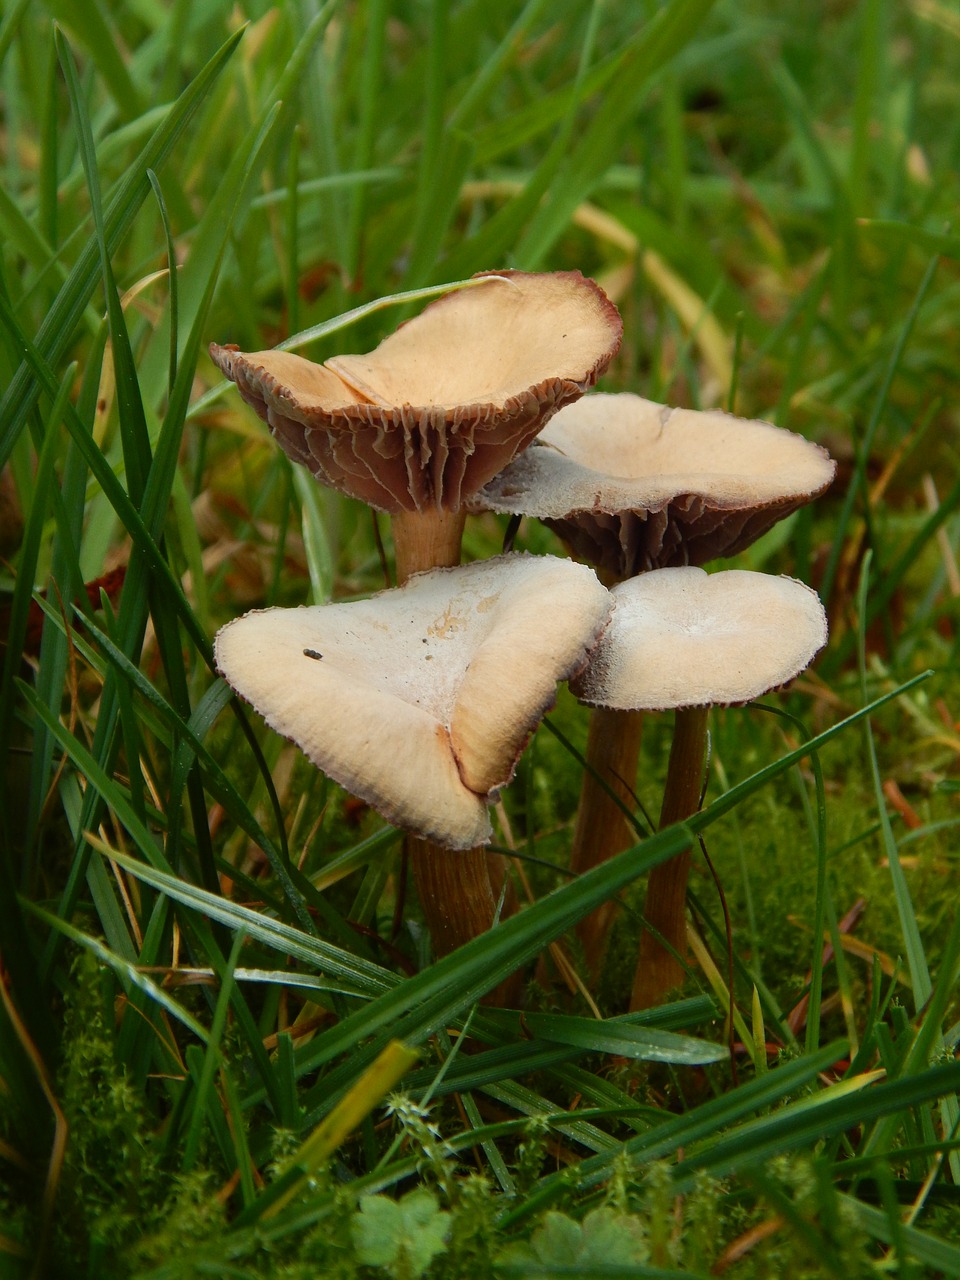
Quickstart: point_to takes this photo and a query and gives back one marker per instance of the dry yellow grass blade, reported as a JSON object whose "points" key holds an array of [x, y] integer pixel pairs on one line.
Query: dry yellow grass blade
{"points": [[352, 1109], [715, 978]]}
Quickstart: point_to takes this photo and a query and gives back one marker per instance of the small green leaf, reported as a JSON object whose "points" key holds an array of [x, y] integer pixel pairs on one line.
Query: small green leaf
{"points": [[605, 1238], [402, 1235]]}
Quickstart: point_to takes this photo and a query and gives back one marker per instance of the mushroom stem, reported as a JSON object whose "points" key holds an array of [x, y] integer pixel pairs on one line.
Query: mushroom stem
{"points": [[658, 969], [459, 902], [426, 540], [459, 893], [455, 890], [602, 829]]}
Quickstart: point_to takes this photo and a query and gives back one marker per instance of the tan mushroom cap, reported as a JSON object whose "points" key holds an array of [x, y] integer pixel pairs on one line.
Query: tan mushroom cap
{"points": [[631, 485], [444, 403], [421, 699], [683, 638]]}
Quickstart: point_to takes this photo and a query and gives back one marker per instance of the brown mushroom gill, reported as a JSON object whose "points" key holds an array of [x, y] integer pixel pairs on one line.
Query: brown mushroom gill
{"points": [[446, 401]]}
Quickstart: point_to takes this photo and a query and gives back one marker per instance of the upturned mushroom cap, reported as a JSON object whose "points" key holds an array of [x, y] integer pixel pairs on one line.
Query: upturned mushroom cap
{"points": [[631, 485], [684, 638], [421, 699], [444, 403]]}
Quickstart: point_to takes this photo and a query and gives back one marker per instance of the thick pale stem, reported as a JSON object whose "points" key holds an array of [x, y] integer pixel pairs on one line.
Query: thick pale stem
{"points": [[603, 830], [426, 540], [658, 971]]}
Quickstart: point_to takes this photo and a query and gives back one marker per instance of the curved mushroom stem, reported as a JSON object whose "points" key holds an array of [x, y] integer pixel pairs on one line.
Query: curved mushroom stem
{"points": [[658, 969], [426, 540], [602, 829]]}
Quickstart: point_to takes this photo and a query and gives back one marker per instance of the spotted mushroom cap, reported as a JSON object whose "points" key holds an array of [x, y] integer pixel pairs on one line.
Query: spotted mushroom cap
{"points": [[683, 638], [447, 400], [421, 699], [631, 485]]}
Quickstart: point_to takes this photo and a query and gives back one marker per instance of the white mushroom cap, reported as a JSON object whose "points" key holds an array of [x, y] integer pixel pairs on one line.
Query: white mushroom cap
{"points": [[632, 485], [683, 638], [421, 699], [444, 403]]}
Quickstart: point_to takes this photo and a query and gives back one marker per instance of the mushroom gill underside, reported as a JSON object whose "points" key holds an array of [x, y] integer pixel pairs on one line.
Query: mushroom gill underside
{"points": [[447, 400], [406, 458], [688, 530]]}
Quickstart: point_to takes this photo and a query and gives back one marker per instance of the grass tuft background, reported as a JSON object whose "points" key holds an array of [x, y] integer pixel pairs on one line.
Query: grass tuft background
{"points": [[206, 948]]}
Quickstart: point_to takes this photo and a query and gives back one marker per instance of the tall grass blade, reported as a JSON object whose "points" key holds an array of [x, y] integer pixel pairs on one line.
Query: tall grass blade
{"points": [[56, 332]]}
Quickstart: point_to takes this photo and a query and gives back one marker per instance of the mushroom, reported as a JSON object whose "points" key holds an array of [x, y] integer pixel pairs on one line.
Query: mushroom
{"points": [[685, 640], [421, 699], [444, 403], [630, 485]]}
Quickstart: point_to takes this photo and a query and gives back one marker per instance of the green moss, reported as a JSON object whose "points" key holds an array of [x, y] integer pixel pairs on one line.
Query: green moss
{"points": [[112, 1186]]}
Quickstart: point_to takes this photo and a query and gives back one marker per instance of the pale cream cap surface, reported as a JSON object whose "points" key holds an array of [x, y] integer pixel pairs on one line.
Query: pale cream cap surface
{"points": [[682, 637], [421, 699]]}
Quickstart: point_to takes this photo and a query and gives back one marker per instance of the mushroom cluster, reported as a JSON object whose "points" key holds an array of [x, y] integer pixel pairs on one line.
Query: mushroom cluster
{"points": [[633, 487], [420, 700], [415, 428]]}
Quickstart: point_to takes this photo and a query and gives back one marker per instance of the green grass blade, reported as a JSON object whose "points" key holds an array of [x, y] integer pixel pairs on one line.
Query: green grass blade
{"points": [[678, 1132], [12, 18], [913, 943], [858, 482], [941, 1257], [642, 1043], [133, 425], [374, 22], [171, 275], [868, 73], [491, 72], [27, 567], [129, 973], [87, 20], [57, 329], [665, 35], [362, 976], [211, 1059], [797, 1124]]}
